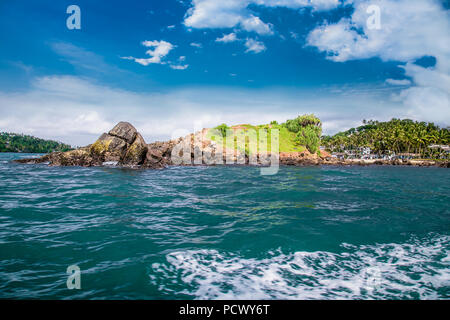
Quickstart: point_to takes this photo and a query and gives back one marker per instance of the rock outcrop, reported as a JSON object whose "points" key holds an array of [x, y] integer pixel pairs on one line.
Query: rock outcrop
{"points": [[136, 153], [124, 131], [108, 148], [124, 146]]}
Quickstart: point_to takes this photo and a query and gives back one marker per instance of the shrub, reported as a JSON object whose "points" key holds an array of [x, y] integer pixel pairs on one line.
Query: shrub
{"points": [[296, 124], [223, 129], [308, 129], [309, 137]]}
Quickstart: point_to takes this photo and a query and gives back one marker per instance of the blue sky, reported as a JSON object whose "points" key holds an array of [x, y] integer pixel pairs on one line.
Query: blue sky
{"points": [[169, 66]]}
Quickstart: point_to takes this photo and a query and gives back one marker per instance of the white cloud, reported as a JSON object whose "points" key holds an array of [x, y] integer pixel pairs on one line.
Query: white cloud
{"points": [[233, 13], [179, 67], [395, 82], [410, 29], [255, 24], [196, 45], [228, 38], [83, 60], [159, 51], [254, 46], [251, 45], [427, 104], [77, 110]]}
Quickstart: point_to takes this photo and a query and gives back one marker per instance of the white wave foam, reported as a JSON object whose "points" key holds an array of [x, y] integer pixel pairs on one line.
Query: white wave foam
{"points": [[110, 163], [418, 269]]}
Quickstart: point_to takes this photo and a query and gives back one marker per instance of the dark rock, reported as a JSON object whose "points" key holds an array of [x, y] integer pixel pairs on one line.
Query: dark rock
{"points": [[154, 156], [444, 165], [108, 148], [136, 152], [125, 131], [79, 157]]}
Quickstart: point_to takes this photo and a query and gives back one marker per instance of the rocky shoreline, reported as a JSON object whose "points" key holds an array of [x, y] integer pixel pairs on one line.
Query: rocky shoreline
{"points": [[124, 146]]}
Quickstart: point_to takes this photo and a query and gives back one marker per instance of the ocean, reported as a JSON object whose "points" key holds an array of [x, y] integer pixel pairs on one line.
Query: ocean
{"points": [[376, 232]]}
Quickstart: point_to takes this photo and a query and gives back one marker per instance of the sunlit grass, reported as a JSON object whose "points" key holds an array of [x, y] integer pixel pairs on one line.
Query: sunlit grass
{"points": [[286, 138]]}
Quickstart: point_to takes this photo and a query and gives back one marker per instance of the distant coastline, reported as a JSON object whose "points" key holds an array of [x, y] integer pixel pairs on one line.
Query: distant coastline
{"points": [[20, 143]]}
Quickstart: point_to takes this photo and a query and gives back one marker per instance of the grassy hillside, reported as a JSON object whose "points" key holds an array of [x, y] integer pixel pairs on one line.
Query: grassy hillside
{"points": [[295, 135], [287, 138], [12, 142]]}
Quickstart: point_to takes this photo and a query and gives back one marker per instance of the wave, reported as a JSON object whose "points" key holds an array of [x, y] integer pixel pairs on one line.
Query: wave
{"points": [[418, 269]]}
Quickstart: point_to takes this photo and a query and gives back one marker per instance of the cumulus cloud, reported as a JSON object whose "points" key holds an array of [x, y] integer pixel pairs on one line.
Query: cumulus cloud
{"points": [[159, 51], [251, 45], [254, 46], [228, 38], [233, 13], [396, 82], [255, 24], [179, 67], [409, 30]]}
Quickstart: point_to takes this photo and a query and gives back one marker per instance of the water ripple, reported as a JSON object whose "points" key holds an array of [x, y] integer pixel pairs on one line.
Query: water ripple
{"points": [[218, 232]]}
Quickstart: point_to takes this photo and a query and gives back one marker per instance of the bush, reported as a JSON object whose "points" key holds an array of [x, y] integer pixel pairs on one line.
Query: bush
{"points": [[309, 138], [308, 129], [223, 129], [300, 122]]}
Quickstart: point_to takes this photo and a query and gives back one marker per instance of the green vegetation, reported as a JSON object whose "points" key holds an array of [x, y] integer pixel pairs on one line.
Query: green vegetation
{"points": [[307, 129], [399, 136], [294, 135], [223, 129], [11, 142]]}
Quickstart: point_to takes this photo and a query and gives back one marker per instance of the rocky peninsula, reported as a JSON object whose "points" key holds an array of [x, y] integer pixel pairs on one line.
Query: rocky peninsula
{"points": [[124, 146]]}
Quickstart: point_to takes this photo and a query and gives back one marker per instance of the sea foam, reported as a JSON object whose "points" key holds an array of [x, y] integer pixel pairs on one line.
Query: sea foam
{"points": [[418, 269]]}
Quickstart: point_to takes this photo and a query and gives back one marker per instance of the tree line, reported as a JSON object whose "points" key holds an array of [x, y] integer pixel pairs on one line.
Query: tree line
{"points": [[12, 142], [396, 135]]}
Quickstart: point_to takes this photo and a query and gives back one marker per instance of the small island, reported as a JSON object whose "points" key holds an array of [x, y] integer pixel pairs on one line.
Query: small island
{"points": [[297, 142]]}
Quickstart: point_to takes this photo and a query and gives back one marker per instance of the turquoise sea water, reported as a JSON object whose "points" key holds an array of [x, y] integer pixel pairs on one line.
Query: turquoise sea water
{"points": [[224, 232]]}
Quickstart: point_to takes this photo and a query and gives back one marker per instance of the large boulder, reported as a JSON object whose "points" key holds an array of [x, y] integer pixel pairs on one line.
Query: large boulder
{"points": [[125, 131], [136, 152], [108, 148], [159, 154], [122, 145]]}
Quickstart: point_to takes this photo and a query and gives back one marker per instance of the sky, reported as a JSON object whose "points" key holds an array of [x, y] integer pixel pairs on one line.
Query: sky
{"points": [[174, 66]]}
